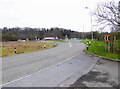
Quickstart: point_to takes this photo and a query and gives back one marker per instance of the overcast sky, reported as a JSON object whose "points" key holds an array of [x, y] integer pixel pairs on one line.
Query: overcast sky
{"points": [[69, 14]]}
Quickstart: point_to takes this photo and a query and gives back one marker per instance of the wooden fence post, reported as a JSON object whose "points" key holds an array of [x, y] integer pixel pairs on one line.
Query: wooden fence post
{"points": [[114, 44], [108, 46]]}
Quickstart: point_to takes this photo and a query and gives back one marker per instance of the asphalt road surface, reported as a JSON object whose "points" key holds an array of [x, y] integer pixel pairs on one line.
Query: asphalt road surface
{"points": [[105, 73], [59, 66]]}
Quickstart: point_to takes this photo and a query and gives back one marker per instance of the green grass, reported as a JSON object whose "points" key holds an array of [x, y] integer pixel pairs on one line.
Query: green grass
{"points": [[97, 47], [118, 43]]}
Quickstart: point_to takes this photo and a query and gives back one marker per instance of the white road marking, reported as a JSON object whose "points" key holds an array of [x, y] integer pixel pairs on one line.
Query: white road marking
{"points": [[70, 44], [39, 71]]}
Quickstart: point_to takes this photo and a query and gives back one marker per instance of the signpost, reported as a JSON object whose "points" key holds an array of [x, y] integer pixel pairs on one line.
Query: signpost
{"points": [[107, 41], [107, 37]]}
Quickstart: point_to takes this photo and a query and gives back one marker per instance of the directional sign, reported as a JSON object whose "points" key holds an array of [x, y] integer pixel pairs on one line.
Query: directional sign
{"points": [[107, 37]]}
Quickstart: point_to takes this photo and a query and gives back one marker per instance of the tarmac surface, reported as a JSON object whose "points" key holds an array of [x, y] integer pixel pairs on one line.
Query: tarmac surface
{"points": [[104, 74], [55, 67], [63, 66]]}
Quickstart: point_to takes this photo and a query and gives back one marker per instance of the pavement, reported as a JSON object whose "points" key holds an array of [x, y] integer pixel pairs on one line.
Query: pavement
{"points": [[104, 74]]}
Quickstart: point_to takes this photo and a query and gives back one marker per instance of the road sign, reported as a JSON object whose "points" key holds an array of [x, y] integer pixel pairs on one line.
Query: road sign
{"points": [[107, 37]]}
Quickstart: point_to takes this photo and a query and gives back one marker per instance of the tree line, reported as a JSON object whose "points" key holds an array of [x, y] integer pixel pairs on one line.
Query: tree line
{"points": [[13, 34]]}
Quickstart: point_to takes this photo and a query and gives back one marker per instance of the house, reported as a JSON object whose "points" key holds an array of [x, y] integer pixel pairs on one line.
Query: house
{"points": [[50, 38]]}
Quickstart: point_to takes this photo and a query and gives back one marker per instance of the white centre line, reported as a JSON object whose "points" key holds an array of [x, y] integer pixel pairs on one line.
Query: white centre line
{"points": [[40, 71]]}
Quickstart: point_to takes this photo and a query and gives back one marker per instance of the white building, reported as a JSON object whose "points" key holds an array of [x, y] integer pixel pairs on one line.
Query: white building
{"points": [[50, 38]]}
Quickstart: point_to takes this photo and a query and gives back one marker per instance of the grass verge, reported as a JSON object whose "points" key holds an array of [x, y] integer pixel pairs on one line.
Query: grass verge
{"points": [[97, 47], [7, 48]]}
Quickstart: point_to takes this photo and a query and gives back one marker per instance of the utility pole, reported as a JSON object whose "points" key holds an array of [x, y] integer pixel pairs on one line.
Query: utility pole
{"points": [[83, 33], [90, 22]]}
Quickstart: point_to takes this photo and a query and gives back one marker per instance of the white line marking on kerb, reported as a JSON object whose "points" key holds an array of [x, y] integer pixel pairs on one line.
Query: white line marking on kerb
{"points": [[39, 71]]}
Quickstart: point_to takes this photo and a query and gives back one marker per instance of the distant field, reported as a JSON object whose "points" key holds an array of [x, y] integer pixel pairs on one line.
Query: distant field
{"points": [[97, 47], [7, 48]]}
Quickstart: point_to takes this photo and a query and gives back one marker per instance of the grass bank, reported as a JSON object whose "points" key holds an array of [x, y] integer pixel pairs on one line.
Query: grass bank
{"points": [[8, 48], [97, 47]]}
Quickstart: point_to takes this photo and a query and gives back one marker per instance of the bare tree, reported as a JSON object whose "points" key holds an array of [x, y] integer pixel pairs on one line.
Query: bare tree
{"points": [[108, 14]]}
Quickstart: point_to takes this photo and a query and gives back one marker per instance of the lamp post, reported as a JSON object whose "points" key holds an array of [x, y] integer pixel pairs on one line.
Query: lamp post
{"points": [[90, 22], [83, 32]]}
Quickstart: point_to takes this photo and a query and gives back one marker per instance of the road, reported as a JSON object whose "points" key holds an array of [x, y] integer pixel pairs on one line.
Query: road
{"points": [[59, 66]]}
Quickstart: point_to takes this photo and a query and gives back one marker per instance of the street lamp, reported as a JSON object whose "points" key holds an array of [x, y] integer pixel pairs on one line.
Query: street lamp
{"points": [[83, 32], [91, 22]]}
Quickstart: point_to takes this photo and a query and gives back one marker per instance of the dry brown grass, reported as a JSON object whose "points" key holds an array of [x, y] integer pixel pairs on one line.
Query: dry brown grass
{"points": [[7, 48]]}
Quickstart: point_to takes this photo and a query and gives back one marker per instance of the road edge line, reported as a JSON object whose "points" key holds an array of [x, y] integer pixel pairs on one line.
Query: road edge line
{"points": [[40, 70], [76, 76]]}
